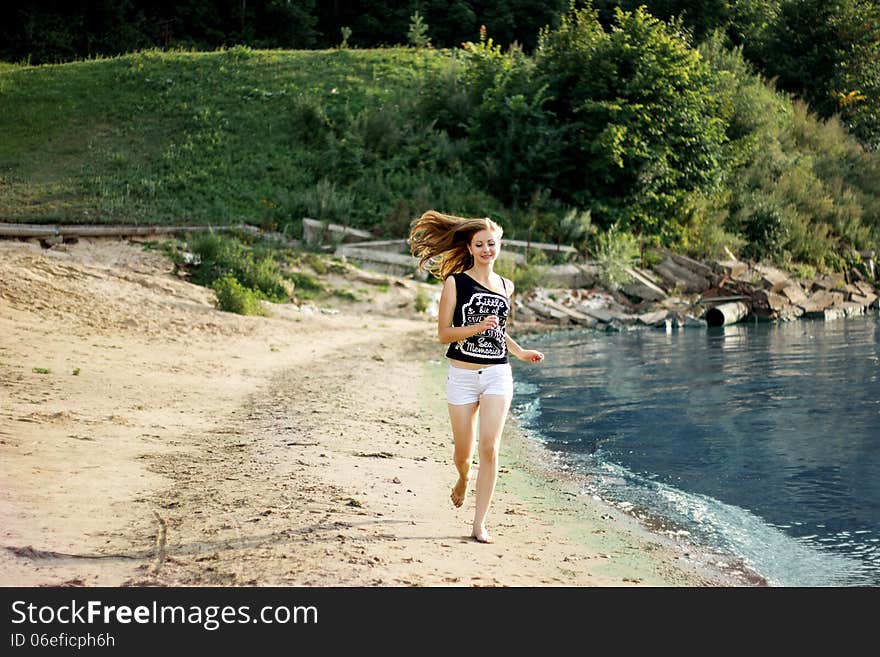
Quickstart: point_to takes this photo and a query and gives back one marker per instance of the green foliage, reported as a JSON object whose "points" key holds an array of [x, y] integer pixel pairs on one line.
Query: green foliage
{"points": [[706, 233], [802, 271], [625, 126], [220, 257], [525, 276], [575, 229], [509, 130], [234, 297], [421, 301], [346, 34], [797, 189], [316, 263], [614, 250], [417, 35], [345, 295], [855, 85], [638, 120], [306, 286], [310, 124]]}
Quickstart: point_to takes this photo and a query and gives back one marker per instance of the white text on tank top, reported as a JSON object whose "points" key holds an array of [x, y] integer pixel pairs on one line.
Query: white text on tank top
{"points": [[490, 343]]}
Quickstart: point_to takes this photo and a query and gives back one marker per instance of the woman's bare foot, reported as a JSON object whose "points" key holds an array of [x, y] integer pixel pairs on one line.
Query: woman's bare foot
{"points": [[459, 491], [482, 536]]}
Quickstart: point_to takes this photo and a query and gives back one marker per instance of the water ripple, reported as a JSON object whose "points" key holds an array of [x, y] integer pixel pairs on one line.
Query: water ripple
{"points": [[762, 439]]}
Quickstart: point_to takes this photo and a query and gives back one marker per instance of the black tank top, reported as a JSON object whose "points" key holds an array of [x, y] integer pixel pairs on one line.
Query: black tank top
{"points": [[473, 303]]}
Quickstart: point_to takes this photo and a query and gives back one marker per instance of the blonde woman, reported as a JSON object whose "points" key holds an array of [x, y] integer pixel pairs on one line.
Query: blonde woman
{"points": [[474, 309]]}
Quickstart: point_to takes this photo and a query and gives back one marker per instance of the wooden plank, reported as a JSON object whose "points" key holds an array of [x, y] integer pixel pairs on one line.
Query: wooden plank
{"points": [[98, 230]]}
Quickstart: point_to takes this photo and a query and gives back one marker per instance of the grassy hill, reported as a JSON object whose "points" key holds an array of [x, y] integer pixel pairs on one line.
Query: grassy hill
{"points": [[372, 138], [220, 137]]}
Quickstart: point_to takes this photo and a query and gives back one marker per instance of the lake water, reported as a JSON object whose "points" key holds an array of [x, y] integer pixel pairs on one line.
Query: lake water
{"points": [[759, 440]]}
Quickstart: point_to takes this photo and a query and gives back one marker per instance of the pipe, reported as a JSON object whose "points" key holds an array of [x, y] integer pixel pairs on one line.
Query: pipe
{"points": [[726, 313]]}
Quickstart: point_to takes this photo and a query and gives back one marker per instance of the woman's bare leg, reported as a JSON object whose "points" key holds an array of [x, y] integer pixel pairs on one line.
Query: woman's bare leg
{"points": [[464, 425], [493, 414]]}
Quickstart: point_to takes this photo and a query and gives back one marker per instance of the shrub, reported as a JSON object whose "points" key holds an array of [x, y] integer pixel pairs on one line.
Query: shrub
{"points": [[233, 297], [307, 287], [421, 301], [614, 250], [525, 277], [309, 121], [220, 256]]}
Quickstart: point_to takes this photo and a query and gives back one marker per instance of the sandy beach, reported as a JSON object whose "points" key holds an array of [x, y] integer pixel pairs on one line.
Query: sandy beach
{"points": [[148, 439]]}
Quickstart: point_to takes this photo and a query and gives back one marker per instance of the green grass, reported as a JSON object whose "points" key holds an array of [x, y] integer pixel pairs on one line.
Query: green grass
{"points": [[345, 295], [167, 137]]}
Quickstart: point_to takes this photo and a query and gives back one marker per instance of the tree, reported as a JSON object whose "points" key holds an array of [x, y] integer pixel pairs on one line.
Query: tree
{"points": [[418, 32], [641, 129], [856, 82]]}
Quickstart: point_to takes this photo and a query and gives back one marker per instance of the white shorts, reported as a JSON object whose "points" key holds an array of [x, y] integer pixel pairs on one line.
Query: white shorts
{"points": [[466, 386]]}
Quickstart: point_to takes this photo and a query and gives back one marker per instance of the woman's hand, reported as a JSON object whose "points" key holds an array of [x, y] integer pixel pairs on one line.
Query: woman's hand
{"points": [[531, 356], [488, 323]]}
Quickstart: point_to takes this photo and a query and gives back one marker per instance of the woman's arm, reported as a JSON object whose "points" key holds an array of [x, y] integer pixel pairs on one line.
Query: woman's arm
{"points": [[446, 332], [523, 354], [513, 346]]}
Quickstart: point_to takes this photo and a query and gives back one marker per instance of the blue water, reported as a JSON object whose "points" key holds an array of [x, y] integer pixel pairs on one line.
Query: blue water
{"points": [[759, 440]]}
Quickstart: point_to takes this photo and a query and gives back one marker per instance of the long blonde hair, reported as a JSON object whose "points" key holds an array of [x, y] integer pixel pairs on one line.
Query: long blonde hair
{"points": [[440, 241]]}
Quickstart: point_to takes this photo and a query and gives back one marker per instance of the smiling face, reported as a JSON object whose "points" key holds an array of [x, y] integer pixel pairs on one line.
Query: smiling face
{"points": [[484, 247]]}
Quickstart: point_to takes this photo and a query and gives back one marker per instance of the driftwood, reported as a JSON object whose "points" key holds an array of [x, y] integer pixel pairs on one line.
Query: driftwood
{"points": [[62, 230]]}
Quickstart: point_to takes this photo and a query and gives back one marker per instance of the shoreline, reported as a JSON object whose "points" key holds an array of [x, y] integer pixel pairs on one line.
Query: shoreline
{"points": [[694, 557], [302, 449]]}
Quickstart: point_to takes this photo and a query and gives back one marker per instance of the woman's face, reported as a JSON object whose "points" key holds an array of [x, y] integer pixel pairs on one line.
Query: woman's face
{"points": [[484, 247]]}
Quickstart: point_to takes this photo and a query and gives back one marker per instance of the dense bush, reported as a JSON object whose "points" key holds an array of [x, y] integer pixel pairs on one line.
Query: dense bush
{"points": [[218, 257], [234, 297]]}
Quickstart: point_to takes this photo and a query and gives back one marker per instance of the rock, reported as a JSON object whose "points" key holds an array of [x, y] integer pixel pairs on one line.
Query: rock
{"points": [[52, 240], [370, 279], [570, 276], [819, 301], [317, 232], [864, 288], [642, 287], [834, 281], [606, 315], [863, 300], [678, 277], [852, 309], [524, 313], [687, 321], [789, 313], [731, 268], [655, 318], [572, 314], [826, 314], [771, 278], [545, 311], [698, 268], [794, 292], [868, 259], [388, 262], [771, 300]]}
